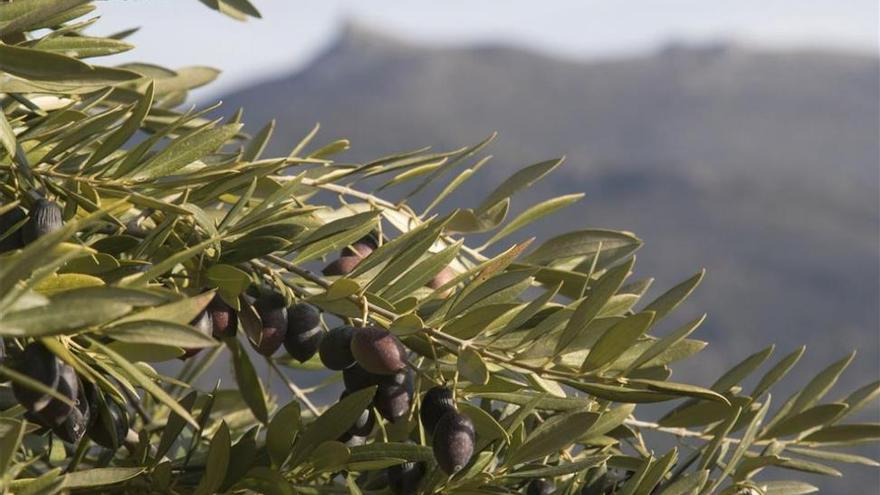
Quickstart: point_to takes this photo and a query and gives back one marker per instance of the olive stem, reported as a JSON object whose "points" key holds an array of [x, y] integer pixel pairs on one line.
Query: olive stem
{"points": [[293, 388]]}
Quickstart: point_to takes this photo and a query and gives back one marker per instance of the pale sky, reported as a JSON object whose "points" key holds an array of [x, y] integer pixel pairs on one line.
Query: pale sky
{"points": [[184, 32]]}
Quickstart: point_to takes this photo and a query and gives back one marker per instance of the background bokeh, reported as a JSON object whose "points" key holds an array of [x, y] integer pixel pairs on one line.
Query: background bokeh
{"points": [[737, 136]]}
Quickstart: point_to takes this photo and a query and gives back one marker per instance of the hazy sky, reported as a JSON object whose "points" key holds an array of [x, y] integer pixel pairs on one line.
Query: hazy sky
{"points": [[184, 32]]}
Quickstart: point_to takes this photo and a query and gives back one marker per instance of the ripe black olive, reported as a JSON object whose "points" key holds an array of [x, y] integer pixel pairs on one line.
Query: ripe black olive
{"points": [[304, 333], [394, 396], [40, 364], [273, 313], [540, 487], [335, 348], [436, 402], [204, 325], [356, 378], [378, 351], [8, 220], [341, 266], [56, 410], [362, 247], [44, 218], [453, 441], [72, 429], [442, 278], [110, 425], [404, 479], [224, 319]]}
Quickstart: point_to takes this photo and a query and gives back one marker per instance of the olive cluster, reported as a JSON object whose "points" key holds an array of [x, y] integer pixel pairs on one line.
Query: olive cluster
{"points": [[44, 217], [87, 410], [452, 433]]}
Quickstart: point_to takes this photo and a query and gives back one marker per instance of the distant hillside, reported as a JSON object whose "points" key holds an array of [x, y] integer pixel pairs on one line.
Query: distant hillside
{"points": [[762, 167]]}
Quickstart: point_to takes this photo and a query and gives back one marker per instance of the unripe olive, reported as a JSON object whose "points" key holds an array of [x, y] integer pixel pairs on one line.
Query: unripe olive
{"points": [[40, 364], [453, 442], [540, 487], [44, 218], [304, 332], [436, 402], [378, 351], [404, 479], [204, 325], [341, 266], [442, 278], [8, 220], [224, 319], [356, 378], [56, 411], [273, 313], [335, 348], [109, 422], [394, 396]]}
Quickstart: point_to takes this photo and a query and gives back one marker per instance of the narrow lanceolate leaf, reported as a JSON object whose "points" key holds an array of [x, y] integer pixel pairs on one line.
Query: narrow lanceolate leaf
{"points": [[281, 432], [256, 146], [845, 434], [183, 151], [11, 433], [163, 332], [821, 384], [332, 423], [148, 384], [778, 372], [554, 435], [54, 319], [616, 340], [670, 299], [217, 462], [532, 214], [16, 17], [121, 135], [660, 346], [741, 370], [83, 46], [38, 65], [786, 488], [174, 426], [472, 367], [518, 181], [745, 443], [561, 469], [587, 310], [249, 384], [805, 420], [7, 136], [91, 478], [584, 243]]}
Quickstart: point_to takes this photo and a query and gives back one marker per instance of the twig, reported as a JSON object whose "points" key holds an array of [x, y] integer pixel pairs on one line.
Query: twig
{"points": [[293, 388]]}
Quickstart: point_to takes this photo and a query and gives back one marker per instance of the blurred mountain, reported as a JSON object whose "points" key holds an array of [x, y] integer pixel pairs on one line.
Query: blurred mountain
{"points": [[760, 166]]}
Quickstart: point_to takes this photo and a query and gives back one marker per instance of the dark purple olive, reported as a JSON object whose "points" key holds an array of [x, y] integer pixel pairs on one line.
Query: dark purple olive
{"points": [[224, 319], [272, 309], [203, 324], [8, 221], [56, 411], [341, 266], [72, 429], [378, 351], [304, 332], [40, 364], [394, 396], [335, 348], [356, 378], [362, 247], [436, 402], [540, 487], [442, 278], [44, 218], [453, 442], [404, 479], [110, 425]]}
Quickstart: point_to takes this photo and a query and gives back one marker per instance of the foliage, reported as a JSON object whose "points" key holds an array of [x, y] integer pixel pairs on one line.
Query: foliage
{"points": [[547, 348]]}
